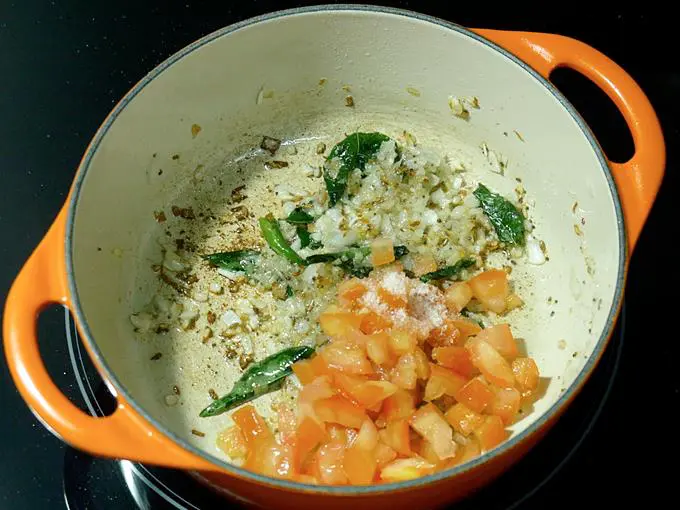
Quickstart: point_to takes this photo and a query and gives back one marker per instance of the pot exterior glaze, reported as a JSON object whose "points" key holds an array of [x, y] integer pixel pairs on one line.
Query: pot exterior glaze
{"points": [[214, 84]]}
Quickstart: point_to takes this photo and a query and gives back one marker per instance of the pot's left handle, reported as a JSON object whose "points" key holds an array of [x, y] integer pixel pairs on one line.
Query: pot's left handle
{"points": [[124, 434]]}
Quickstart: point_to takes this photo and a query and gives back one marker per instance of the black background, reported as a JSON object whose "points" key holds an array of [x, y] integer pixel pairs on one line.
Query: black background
{"points": [[63, 66]]}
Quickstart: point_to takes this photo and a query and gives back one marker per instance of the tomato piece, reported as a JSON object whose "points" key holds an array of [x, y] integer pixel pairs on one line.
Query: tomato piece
{"points": [[442, 381], [423, 448], [505, 404], [377, 348], [396, 436], [338, 409], [404, 374], [402, 341], [309, 434], [424, 263], [422, 364], [466, 328], [513, 301], [232, 442], [491, 289], [363, 392], [490, 363], [359, 465], [367, 439], [339, 325], [304, 371], [371, 323], [272, 459], [491, 433], [447, 334], [526, 374], [319, 388], [308, 479], [399, 405], [476, 395], [463, 419], [457, 296], [287, 421], [384, 454], [429, 422], [329, 460], [350, 291], [393, 301], [406, 469], [500, 338], [346, 358], [252, 426], [470, 451], [382, 251], [456, 358]]}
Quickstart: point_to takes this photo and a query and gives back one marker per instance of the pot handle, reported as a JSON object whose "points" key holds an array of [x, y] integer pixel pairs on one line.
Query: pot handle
{"points": [[124, 434], [638, 179]]}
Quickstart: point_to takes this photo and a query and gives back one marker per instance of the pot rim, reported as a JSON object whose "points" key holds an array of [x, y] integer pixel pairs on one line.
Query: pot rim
{"points": [[554, 410]]}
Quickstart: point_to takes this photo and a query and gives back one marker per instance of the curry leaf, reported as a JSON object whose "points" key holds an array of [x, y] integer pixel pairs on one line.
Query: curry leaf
{"points": [[506, 219]]}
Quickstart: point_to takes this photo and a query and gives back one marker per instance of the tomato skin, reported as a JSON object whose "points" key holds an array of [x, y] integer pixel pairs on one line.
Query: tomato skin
{"points": [[251, 424], [463, 419], [526, 374], [500, 338], [456, 358]]}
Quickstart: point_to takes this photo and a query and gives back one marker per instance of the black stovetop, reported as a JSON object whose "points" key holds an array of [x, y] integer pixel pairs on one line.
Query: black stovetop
{"points": [[64, 64]]}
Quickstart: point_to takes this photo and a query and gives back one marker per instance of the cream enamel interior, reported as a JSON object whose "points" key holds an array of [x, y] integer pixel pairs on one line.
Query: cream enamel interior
{"points": [[378, 55]]}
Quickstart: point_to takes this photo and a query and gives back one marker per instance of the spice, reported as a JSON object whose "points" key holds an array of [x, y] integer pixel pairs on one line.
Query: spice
{"points": [[213, 394], [349, 101], [269, 144], [175, 390], [320, 148], [275, 165], [195, 129], [159, 216], [183, 212], [157, 356], [197, 433]]}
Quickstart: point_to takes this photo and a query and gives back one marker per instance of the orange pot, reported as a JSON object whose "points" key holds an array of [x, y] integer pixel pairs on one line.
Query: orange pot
{"points": [[199, 103]]}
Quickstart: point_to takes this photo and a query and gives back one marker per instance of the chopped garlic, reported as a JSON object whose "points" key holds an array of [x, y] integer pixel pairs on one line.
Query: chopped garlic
{"points": [[142, 321], [230, 318], [201, 296], [215, 288], [173, 262], [534, 253], [188, 318]]}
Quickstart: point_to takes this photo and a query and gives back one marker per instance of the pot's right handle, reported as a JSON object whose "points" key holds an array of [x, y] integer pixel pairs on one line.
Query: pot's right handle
{"points": [[638, 179]]}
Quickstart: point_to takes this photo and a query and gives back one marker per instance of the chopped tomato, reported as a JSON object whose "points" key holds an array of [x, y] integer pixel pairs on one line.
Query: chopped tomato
{"points": [[404, 374], [429, 422], [526, 374], [422, 364], [489, 361], [287, 424], [447, 334], [339, 324], [367, 439], [384, 454], [442, 381], [232, 442], [463, 419], [423, 448], [458, 296], [350, 291], [513, 301], [329, 459], [308, 479], [456, 358], [304, 371], [424, 263], [382, 252], [406, 469], [338, 409], [475, 394], [346, 358], [491, 289], [399, 405], [319, 388], [310, 433], [393, 301], [470, 451], [365, 393], [359, 465], [396, 436], [376, 348], [252, 426], [467, 328], [402, 341], [500, 338], [491, 433], [272, 459], [371, 322], [505, 404]]}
